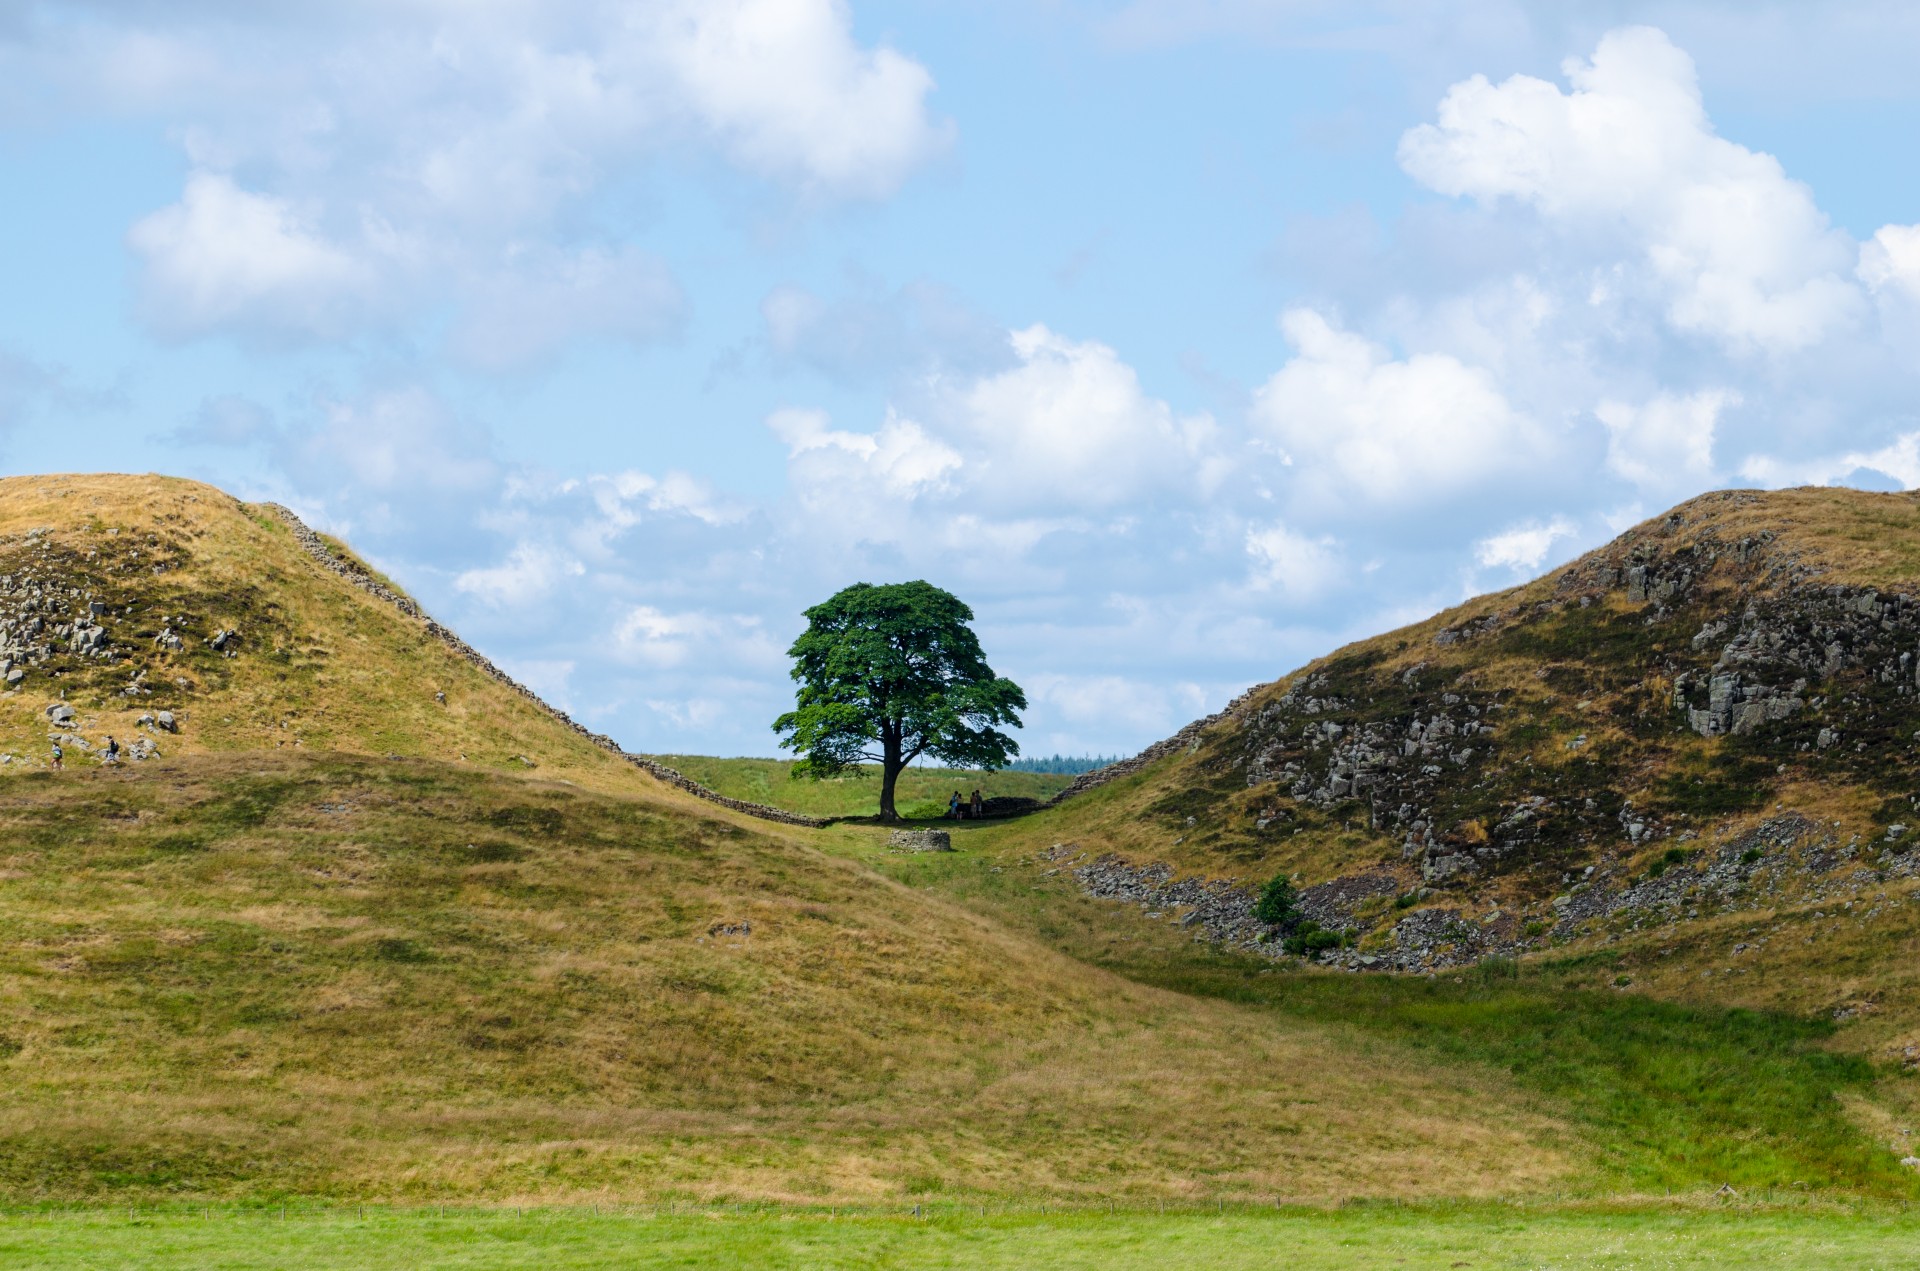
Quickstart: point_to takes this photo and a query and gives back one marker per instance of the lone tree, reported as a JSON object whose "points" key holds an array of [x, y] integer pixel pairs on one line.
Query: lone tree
{"points": [[888, 674]]}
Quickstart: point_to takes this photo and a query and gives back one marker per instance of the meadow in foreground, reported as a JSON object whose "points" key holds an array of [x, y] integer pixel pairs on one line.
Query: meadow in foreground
{"points": [[1490, 1236]]}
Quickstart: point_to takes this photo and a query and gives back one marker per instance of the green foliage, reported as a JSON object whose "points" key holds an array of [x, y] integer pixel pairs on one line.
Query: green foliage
{"points": [[890, 673], [1751, 855], [1309, 939], [1279, 904], [1406, 900], [1675, 855]]}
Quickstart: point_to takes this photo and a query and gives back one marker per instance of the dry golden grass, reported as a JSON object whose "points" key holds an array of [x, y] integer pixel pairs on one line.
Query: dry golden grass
{"points": [[321, 665], [241, 974]]}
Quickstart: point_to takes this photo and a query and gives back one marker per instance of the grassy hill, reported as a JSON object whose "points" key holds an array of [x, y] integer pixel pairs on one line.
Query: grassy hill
{"points": [[341, 937], [151, 570], [922, 793], [1684, 764]]}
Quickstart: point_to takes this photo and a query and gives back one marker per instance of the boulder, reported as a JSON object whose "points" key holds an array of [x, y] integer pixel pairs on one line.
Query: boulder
{"points": [[60, 713], [921, 840]]}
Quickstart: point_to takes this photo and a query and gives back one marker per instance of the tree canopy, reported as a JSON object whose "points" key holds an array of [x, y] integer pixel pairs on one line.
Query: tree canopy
{"points": [[888, 674]]}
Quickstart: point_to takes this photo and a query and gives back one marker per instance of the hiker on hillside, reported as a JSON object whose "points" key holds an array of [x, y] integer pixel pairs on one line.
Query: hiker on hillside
{"points": [[58, 755], [977, 805], [953, 807], [113, 751]]}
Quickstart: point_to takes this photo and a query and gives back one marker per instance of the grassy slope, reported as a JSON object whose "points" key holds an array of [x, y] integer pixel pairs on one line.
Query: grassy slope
{"points": [[253, 974], [1678, 1095], [1593, 673], [921, 792], [224, 987], [1362, 1236], [320, 665]]}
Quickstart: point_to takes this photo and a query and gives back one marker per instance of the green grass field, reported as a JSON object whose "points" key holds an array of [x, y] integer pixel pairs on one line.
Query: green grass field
{"points": [[1670, 1094], [1693, 1235], [921, 794]]}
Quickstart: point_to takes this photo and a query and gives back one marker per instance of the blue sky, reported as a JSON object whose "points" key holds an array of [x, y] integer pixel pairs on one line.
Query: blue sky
{"points": [[1183, 340]]}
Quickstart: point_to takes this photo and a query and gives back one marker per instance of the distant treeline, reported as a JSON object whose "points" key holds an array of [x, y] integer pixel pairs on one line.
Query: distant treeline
{"points": [[1068, 765]]}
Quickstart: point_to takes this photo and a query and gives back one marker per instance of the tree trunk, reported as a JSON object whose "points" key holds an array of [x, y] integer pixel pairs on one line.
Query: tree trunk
{"points": [[890, 766]]}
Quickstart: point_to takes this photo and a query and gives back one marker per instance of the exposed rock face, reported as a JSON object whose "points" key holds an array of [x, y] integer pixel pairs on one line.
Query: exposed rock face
{"points": [[1598, 720], [921, 840]]}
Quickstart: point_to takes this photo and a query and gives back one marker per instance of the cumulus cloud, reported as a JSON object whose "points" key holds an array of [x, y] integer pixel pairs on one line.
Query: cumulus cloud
{"points": [[527, 576], [835, 470], [1387, 430], [1898, 462], [358, 162], [661, 639], [1299, 566], [1890, 260], [1523, 548], [1737, 249], [783, 83], [1667, 441], [225, 257]]}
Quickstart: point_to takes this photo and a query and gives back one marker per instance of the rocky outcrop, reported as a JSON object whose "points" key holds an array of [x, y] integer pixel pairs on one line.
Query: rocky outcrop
{"points": [[920, 840], [317, 548]]}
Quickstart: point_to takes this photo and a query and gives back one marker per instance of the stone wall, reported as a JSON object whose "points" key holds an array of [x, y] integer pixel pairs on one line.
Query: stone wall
{"points": [[317, 548]]}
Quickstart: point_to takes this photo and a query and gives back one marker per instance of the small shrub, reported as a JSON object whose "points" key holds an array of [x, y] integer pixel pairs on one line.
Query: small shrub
{"points": [[1407, 901], [1656, 869], [1279, 903], [1309, 939], [1621, 981], [1676, 855], [1532, 929], [1751, 855]]}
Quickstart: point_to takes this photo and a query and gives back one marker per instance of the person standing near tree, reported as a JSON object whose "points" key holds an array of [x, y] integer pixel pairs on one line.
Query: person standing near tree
{"points": [[953, 807], [890, 673]]}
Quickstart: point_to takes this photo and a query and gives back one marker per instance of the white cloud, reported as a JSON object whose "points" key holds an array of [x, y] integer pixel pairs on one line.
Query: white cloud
{"points": [[1522, 548], [1739, 251], [836, 472], [1348, 415], [1891, 260], [1300, 566], [1898, 460], [622, 497], [792, 95], [222, 256], [529, 574], [1667, 442], [663, 640], [362, 162], [1070, 426]]}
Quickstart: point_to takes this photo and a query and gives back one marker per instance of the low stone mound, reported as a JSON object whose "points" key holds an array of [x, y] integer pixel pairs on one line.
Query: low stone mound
{"points": [[921, 840]]}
